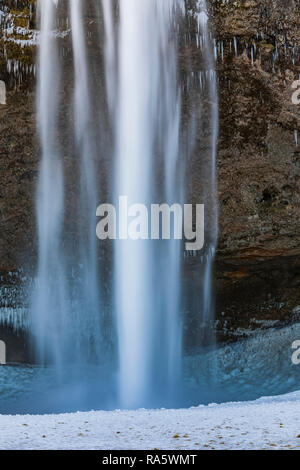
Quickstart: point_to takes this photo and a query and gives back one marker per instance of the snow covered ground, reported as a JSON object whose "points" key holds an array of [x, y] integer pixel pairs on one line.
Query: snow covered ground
{"points": [[268, 423]]}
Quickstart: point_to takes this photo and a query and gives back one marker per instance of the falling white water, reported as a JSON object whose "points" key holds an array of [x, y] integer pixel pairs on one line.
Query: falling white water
{"points": [[145, 104], [144, 100], [49, 308], [66, 312], [88, 319], [210, 188], [145, 88], [111, 56]]}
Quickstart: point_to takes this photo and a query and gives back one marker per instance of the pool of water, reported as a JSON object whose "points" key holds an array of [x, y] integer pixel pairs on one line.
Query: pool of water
{"points": [[250, 369]]}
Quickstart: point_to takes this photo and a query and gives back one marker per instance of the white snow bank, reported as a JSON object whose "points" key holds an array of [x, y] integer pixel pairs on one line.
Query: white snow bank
{"points": [[268, 423]]}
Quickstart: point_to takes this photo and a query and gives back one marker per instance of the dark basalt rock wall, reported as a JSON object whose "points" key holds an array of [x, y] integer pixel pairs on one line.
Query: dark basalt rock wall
{"points": [[258, 265], [257, 273], [17, 350]]}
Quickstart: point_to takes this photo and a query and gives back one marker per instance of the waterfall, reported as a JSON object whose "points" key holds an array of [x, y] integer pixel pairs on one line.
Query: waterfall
{"points": [[89, 292], [148, 162], [49, 302], [144, 97], [66, 313], [210, 191], [146, 126]]}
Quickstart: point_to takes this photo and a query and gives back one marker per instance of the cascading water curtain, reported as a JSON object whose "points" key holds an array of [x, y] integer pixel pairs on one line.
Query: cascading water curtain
{"points": [[86, 150], [49, 307], [144, 98], [210, 190], [66, 312]]}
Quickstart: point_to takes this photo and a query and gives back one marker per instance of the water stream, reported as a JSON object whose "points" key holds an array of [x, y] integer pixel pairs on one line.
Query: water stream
{"points": [[148, 166]]}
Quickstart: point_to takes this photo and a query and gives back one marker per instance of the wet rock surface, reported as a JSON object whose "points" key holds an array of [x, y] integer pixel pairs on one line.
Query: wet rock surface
{"points": [[17, 350], [257, 271]]}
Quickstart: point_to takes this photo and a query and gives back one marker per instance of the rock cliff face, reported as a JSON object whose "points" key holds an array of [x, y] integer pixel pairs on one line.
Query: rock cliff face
{"points": [[257, 268], [258, 260]]}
